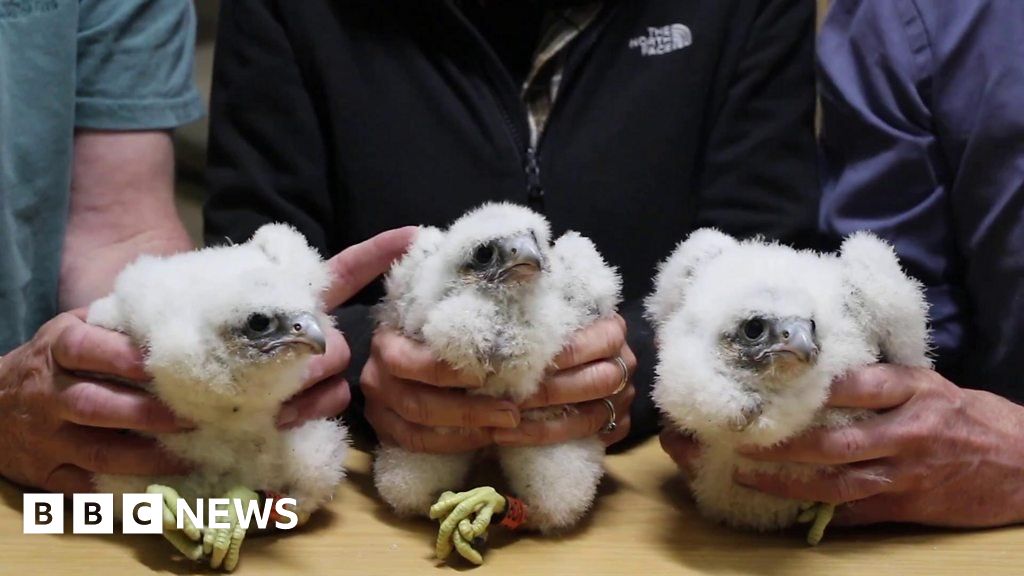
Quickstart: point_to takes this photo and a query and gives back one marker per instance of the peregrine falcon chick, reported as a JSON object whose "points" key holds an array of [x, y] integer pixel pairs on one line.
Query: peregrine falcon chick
{"points": [[493, 297], [752, 334], [227, 334]]}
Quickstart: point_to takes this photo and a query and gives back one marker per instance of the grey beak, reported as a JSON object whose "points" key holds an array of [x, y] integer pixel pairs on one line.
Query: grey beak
{"points": [[304, 328], [796, 336], [522, 257]]}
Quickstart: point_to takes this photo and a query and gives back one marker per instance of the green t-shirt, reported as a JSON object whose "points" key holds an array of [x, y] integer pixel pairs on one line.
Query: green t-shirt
{"points": [[67, 64]]}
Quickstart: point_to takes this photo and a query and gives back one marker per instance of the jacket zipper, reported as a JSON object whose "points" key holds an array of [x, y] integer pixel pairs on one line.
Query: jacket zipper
{"points": [[527, 153], [534, 189]]}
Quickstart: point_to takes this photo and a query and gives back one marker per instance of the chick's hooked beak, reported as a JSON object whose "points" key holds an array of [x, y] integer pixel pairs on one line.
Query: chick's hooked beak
{"points": [[301, 329], [521, 258], [794, 337]]}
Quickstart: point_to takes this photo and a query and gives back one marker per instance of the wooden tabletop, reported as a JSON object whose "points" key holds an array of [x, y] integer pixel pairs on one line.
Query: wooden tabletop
{"points": [[641, 525]]}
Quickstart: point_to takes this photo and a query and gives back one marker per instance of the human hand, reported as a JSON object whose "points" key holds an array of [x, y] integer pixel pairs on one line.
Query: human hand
{"points": [[937, 454], [585, 373], [409, 393], [60, 427], [326, 392]]}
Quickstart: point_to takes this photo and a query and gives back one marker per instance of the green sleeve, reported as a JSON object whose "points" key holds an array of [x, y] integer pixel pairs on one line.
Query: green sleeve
{"points": [[135, 61]]}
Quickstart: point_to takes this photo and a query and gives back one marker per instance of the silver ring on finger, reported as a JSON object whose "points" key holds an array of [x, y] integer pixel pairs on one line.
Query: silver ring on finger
{"points": [[625, 375], [611, 425]]}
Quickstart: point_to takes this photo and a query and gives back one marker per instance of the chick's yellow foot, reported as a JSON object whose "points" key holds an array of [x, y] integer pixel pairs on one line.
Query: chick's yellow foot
{"points": [[819, 515], [224, 545], [185, 540], [464, 518]]}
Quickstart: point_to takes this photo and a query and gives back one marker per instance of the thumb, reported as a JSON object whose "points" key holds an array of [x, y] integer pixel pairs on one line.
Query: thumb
{"points": [[358, 265]]}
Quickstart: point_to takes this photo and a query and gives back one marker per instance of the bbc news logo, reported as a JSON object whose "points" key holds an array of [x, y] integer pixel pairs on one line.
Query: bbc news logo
{"points": [[143, 513]]}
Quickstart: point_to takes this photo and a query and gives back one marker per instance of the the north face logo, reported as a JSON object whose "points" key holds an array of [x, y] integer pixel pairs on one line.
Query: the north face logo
{"points": [[663, 40]]}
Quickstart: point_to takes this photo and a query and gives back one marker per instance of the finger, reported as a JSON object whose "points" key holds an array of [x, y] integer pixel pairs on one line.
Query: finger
{"points": [[324, 400], [109, 452], [622, 427], [68, 479], [332, 362], [833, 487], [429, 406], [578, 384], [875, 387], [358, 265], [858, 442], [682, 448], [104, 405], [880, 508], [602, 339], [589, 420], [393, 429], [411, 360], [436, 407], [81, 347]]}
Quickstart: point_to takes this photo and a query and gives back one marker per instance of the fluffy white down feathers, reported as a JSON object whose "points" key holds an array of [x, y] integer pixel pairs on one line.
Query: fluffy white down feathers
{"points": [[450, 291], [859, 304], [186, 311]]}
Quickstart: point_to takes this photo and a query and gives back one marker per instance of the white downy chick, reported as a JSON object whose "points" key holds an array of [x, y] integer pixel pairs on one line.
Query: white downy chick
{"points": [[492, 296], [228, 333], [752, 334]]}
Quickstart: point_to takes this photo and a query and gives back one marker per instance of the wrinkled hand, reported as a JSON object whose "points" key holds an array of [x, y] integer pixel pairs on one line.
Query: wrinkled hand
{"points": [[326, 392], [938, 454], [409, 392], [585, 372], [59, 426]]}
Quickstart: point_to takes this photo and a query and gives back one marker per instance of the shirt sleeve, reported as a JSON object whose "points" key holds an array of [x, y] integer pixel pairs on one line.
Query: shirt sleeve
{"points": [[884, 168], [760, 168], [135, 61]]}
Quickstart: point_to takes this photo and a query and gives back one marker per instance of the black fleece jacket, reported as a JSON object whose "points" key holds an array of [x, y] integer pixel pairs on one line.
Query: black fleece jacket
{"points": [[347, 118]]}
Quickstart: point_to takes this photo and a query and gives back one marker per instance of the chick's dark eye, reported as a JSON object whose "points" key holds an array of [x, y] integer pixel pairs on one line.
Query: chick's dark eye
{"points": [[754, 328], [258, 323], [483, 254]]}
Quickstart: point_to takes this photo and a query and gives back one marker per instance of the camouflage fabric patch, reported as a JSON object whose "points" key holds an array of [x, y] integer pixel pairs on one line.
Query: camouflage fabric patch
{"points": [[539, 91]]}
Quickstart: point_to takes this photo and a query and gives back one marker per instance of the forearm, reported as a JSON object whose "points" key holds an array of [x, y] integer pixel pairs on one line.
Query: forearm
{"points": [[88, 271], [122, 205]]}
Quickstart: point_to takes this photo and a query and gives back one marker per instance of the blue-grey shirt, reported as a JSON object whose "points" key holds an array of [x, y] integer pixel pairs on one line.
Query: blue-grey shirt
{"points": [[67, 64], [923, 142]]}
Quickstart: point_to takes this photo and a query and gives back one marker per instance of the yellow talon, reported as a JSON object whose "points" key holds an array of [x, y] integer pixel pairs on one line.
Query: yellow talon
{"points": [[225, 544], [807, 512], [185, 540], [465, 517], [820, 515], [466, 549]]}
